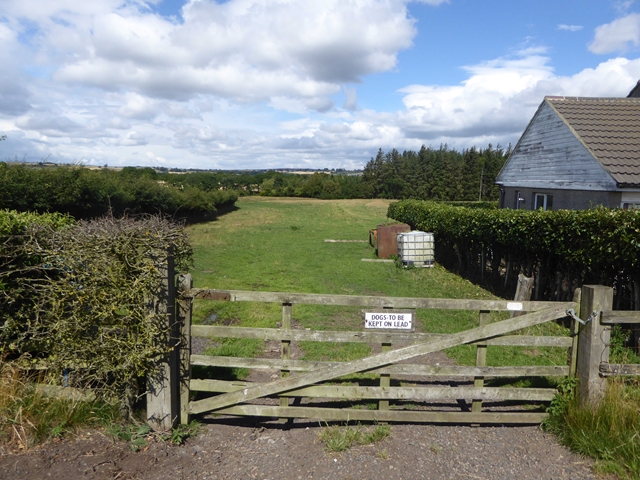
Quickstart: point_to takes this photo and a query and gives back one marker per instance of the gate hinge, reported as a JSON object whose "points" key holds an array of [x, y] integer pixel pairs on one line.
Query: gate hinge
{"points": [[571, 313]]}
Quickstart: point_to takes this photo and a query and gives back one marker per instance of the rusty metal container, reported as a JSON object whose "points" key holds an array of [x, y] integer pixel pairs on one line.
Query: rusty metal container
{"points": [[387, 238], [373, 237]]}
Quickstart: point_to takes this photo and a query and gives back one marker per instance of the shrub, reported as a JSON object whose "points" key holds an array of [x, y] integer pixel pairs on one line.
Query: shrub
{"points": [[80, 300], [85, 193], [609, 432]]}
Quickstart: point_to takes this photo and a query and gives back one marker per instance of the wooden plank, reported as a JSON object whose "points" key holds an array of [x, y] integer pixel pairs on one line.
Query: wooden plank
{"points": [[348, 414], [575, 329], [616, 317], [375, 361], [66, 393], [184, 306], [531, 341], [396, 369], [201, 294], [623, 369], [385, 380], [214, 331], [351, 392], [380, 301], [481, 361], [378, 260], [523, 291], [285, 346], [328, 240]]}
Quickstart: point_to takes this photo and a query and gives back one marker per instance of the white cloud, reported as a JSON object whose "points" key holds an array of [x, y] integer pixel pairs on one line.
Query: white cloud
{"points": [[246, 50], [255, 83], [351, 99], [622, 6], [434, 3], [618, 35], [133, 139], [500, 96], [570, 28]]}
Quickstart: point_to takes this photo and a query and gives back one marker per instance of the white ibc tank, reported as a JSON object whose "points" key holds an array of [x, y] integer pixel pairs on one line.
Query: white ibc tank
{"points": [[416, 248]]}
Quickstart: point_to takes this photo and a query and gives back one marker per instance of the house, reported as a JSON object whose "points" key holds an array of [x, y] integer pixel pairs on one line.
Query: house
{"points": [[576, 153]]}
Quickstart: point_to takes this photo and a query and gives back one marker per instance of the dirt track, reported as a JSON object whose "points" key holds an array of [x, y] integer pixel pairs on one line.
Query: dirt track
{"points": [[232, 449]]}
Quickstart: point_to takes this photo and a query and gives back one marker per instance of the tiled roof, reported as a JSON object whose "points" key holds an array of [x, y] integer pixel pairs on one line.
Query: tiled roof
{"points": [[610, 128]]}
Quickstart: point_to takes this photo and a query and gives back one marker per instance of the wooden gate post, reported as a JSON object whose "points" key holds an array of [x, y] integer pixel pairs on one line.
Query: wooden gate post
{"points": [[162, 385], [184, 306], [593, 343]]}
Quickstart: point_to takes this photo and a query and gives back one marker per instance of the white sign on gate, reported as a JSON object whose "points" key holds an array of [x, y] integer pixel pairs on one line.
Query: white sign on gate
{"points": [[389, 320]]}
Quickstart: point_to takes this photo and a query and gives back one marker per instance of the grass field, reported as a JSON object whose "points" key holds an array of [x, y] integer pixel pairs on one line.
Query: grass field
{"points": [[276, 244]]}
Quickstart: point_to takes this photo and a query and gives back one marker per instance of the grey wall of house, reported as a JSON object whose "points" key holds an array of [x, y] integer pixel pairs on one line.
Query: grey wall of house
{"points": [[548, 155], [562, 199]]}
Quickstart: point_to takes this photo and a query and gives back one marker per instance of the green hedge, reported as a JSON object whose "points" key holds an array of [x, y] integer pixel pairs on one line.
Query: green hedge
{"points": [[15, 223], [85, 193], [564, 248], [76, 297]]}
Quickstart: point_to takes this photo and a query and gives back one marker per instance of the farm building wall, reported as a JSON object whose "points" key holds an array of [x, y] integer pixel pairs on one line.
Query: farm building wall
{"points": [[550, 156], [562, 199]]}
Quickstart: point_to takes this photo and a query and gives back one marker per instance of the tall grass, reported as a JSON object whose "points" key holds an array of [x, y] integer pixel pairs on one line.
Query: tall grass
{"points": [[29, 417], [608, 432], [337, 438]]}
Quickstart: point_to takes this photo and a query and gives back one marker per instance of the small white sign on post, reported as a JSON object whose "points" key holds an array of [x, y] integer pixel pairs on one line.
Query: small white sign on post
{"points": [[389, 320]]}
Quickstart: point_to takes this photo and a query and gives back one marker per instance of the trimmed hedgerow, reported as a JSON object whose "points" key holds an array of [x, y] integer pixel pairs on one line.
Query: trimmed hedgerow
{"points": [[78, 299], [563, 248]]}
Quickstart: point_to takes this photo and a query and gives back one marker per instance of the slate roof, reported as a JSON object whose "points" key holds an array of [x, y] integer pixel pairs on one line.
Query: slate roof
{"points": [[609, 128]]}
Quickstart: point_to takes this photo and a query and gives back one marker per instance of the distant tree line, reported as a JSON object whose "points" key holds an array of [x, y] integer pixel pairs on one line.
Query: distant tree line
{"points": [[436, 174], [441, 174]]}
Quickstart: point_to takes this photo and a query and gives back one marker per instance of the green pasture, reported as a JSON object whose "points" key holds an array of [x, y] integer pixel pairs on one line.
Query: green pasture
{"points": [[277, 244]]}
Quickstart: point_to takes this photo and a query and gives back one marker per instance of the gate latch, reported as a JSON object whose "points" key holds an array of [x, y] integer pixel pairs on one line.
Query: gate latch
{"points": [[571, 313]]}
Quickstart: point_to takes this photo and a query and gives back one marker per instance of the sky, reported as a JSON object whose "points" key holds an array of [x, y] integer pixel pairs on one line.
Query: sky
{"points": [[255, 84]]}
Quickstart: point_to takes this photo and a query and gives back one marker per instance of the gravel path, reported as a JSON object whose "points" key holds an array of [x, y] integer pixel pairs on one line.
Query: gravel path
{"points": [[234, 449]]}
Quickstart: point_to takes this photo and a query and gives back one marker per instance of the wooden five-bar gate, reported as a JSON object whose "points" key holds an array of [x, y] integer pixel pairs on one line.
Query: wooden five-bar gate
{"points": [[306, 389]]}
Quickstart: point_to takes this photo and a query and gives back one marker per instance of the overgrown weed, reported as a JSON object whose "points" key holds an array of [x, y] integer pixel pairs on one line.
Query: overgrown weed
{"points": [[337, 438], [29, 417], [138, 436], [608, 432]]}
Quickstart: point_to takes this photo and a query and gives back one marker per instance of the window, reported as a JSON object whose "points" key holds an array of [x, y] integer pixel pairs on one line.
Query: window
{"points": [[543, 201], [519, 200]]}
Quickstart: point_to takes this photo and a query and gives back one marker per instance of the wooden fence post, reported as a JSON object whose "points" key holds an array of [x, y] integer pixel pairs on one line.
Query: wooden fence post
{"points": [[523, 292], [575, 327], [162, 385], [481, 360], [593, 343], [285, 348], [184, 306]]}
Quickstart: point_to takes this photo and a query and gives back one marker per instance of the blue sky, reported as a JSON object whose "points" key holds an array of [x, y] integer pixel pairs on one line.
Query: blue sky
{"points": [[294, 83]]}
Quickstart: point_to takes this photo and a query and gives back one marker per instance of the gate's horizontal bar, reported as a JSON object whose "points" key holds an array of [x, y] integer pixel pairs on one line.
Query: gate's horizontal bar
{"points": [[335, 414], [375, 301], [212, 331], [397, 369], [351, 392], [623, 369], [619, 316]]}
